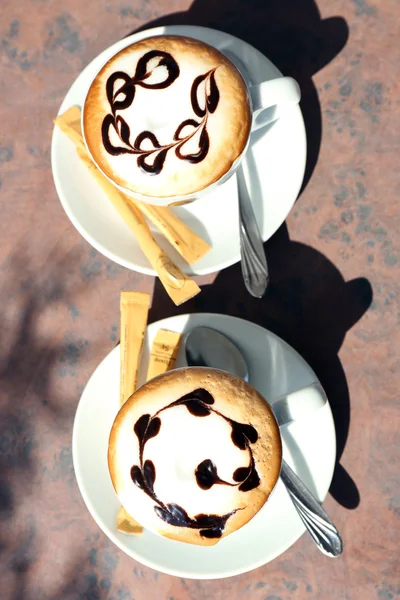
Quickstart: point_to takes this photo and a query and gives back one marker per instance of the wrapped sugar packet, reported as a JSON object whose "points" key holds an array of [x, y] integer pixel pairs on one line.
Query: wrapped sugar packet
{"points": [[162, 358], [134, 312], [164, 351], [189, 245], [176, 283]]}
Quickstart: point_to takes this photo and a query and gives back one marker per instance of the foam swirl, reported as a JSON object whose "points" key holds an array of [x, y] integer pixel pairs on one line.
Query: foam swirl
{"points": [[157, 70], [199, 403]]}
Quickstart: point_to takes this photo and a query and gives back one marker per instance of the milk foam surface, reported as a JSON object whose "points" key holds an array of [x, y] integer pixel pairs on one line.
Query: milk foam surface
{"points": [[184, 441], [175, 100], [225, 424]]}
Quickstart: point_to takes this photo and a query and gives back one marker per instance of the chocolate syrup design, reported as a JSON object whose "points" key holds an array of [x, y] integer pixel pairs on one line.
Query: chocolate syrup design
{"points": [[199, 403], [151, 160]]}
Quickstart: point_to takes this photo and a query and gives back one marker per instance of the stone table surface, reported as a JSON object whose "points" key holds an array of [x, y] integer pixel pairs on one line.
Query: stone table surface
{"points": [[334, 293]]}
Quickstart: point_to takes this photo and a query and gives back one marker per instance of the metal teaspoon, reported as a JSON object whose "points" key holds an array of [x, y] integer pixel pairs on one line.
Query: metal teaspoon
{"points": [[207, 347]]}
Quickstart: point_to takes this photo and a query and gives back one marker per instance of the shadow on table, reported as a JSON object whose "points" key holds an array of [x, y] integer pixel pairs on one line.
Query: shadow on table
{"points": [[310, 306], [291, 33], [28, 361], [308, 303]]}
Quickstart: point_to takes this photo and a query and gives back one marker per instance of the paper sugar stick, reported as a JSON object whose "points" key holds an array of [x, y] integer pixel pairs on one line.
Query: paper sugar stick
{"points": [[134, 312], [70, 124], [127, 524], [163, 352], [189, 245], [176, 283], [162, 358]]}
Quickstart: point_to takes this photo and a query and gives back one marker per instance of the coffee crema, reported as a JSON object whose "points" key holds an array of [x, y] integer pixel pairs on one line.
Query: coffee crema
{"points": [[194, 454], [167, 117]]}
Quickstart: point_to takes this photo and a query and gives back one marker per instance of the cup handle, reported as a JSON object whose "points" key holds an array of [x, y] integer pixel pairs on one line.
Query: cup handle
{"points": [[269, 96], [298, 404]]}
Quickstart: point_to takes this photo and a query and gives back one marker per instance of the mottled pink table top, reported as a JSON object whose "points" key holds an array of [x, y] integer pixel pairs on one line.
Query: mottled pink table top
{"points": [[334, 294]]}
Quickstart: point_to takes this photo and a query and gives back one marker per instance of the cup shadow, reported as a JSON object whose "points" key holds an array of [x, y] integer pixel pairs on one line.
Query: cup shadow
{"points": [[291, 34], [309, 305]]}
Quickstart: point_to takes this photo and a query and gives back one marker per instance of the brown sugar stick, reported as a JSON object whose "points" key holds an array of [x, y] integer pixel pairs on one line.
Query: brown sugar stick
{"points": [[189, 245], [162, 358], [176, 283], [127, 524], [134, 312], [70, 124], [164, 351]]}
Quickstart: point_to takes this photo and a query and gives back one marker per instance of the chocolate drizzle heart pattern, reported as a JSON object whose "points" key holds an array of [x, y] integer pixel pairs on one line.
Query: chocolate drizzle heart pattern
{"points": [[150, 153], [198, 403]]}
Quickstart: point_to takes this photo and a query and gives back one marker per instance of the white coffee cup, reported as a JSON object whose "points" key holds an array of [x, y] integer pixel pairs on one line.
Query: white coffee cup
{"points": [[265, 100]]}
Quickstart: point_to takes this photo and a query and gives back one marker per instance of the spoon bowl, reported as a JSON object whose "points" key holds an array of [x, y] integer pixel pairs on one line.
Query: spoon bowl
{"points": [[206, 347]]}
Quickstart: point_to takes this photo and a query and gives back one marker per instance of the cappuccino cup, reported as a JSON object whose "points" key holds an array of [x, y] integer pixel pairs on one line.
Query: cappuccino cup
{"points": [[169, 118], [194, 454]]}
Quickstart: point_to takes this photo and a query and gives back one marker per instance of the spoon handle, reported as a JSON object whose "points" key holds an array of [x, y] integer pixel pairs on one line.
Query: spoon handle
{"points": [[315, 519], [253, 260]]}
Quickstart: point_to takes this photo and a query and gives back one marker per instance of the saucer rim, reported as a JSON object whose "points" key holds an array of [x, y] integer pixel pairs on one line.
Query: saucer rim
{"points": [[280, 548]]}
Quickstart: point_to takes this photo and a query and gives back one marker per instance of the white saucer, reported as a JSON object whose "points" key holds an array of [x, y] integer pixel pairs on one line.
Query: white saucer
{"points": [[276, 160], [309, 447]]}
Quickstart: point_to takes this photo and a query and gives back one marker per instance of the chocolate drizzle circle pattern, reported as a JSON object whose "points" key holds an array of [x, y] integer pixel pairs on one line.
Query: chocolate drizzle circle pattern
{"points": [[151, 159], [198, 403]]}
